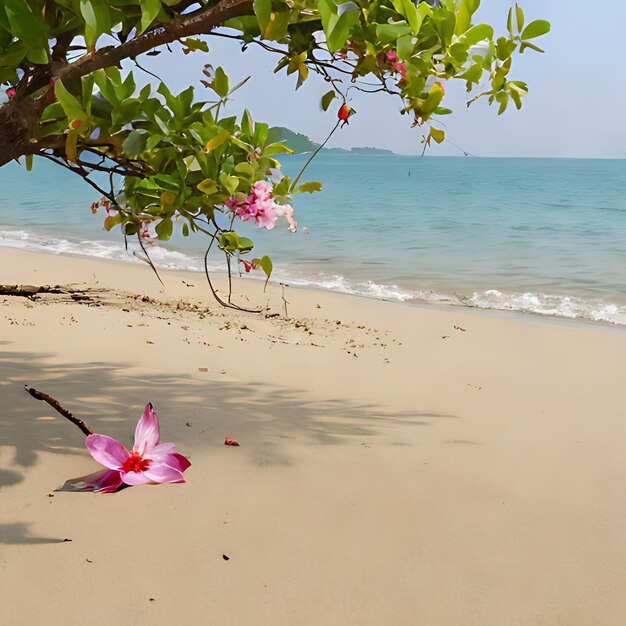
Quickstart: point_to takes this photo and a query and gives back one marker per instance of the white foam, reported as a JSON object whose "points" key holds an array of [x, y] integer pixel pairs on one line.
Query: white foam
{"points": [[162, 257], [570, 307], [545, 304]]}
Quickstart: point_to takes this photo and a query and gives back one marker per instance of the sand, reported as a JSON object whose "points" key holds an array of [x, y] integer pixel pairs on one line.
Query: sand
{"points": [[398, 464]]}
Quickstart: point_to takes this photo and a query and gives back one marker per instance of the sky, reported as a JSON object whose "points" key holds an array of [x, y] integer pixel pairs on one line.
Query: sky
{"points": [[575, 106]]}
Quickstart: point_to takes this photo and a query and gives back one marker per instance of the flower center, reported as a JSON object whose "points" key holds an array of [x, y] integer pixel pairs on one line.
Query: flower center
{"points": [[134, 463]]}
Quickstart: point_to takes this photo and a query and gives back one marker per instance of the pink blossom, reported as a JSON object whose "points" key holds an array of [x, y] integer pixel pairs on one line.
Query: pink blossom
{"points": [[144, 233], [391, 57], [286, 211], [149, 461], [400, 67], [259, 206], [11, 92]]}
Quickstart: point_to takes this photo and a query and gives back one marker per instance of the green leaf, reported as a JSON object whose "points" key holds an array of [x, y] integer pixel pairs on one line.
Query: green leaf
{"points": [[276, 28], [437, 135], [29, 162], [112, 220], [536, 29], [193, 45], [149, 10], [207, 186], [442, 111], [467, 8], [97, 20], [477, 33], [262, 10], [310, 187], [408, 10], [389, 33], [135, 143], [72, 108], [246, 124], [282, 188], [532, 46], [405, 46], [70, 146], [38, 55], [519, 14], [473, 74], [245, 245], [164, 229], [29, 26], [220, 83], [185, 230], [265, 263], [327, 98], [229, 241], [244, 169], [515, 96], [337, 22], [217, 141], [230, 183]]}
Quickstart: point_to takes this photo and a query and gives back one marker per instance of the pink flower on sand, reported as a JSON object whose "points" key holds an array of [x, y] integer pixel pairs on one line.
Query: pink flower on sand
{"points": [[149, 461]]}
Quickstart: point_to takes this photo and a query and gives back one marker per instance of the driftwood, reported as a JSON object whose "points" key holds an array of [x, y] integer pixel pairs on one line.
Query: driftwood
{"points": [[28, 291], [39, 395]]}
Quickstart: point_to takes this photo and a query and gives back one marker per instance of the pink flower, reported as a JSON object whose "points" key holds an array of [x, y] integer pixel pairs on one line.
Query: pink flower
{"points": [[247, 265], [391, 57], [11, 92], [144, 232], [259, 206], [286, 211], [149, 461], [400, 67]]}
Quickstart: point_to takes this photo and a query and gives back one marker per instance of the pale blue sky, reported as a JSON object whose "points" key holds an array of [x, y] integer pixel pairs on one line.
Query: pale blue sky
{"points": [[575, 107]]}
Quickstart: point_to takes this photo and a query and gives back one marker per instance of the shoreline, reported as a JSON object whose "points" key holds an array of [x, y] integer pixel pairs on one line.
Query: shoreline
{"points": [[297, 283], [398, 464]]}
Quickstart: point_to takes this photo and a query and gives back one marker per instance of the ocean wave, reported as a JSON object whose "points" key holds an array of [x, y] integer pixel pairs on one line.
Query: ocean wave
{"points": [[164, 258], [569, 307]]}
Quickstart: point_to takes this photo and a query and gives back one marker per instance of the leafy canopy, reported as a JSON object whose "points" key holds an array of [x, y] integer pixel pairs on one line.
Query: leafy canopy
{"points": [[182, 157]]}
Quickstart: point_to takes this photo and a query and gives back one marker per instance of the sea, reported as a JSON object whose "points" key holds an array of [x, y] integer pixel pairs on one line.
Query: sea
{"points": [[540, 236]]}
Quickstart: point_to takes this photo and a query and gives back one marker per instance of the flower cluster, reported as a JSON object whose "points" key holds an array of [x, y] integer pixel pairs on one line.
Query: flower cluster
{"points": [[261, 208]]}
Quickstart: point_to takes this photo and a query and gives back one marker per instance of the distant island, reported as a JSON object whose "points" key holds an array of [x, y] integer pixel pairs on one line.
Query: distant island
{"points": [[301, 144]]}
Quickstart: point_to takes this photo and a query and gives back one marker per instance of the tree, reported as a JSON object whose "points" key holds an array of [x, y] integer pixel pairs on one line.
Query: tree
{"points": [[174, 158]]}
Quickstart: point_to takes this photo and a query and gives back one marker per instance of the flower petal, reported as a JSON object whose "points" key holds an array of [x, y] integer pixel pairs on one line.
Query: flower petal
{"points": [[136, 478], [158, 453], [103, 481], [107, 451], [162, 473], [178, 461], [147, 432]]}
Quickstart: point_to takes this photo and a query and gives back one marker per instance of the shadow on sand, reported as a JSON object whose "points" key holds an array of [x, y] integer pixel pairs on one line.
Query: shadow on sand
{"points": [[194, 415]]}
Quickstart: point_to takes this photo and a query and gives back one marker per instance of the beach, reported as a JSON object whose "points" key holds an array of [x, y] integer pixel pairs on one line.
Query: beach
{"points": [[398, 464]]}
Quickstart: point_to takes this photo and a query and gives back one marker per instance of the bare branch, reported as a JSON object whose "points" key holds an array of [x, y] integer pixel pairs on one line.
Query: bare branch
{"points": [[39, 395]]}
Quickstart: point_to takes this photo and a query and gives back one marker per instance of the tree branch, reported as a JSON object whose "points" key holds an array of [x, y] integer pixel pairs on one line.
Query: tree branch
{"points": [[203, 23], [39, 395]]}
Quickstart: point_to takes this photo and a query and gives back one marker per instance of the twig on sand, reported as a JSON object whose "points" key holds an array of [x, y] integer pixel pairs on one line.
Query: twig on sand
{"points": [[285, 302], [39, 395]]}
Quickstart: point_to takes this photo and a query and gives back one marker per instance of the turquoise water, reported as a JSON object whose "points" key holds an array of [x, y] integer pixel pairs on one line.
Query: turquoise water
{"points": [[540, 235]]}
